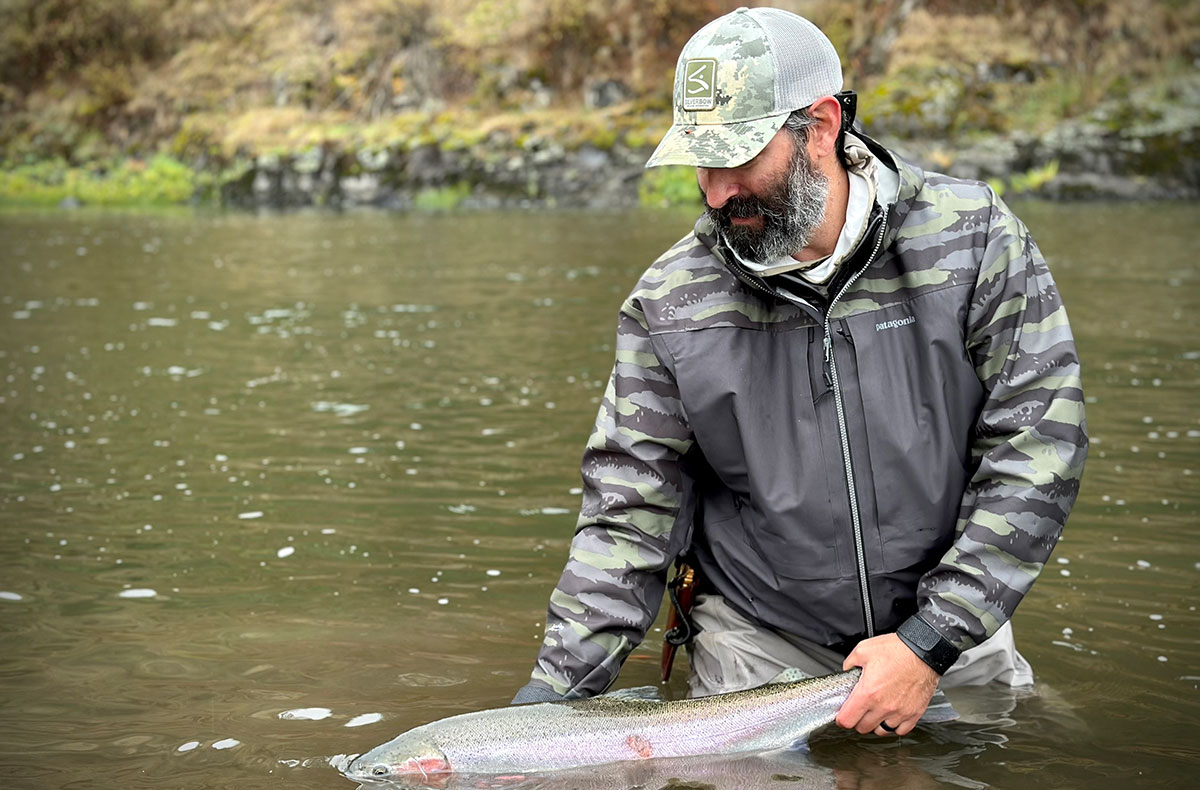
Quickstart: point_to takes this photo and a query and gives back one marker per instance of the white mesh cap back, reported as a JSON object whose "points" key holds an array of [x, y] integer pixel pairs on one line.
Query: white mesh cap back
{"points": [[807, 66]]}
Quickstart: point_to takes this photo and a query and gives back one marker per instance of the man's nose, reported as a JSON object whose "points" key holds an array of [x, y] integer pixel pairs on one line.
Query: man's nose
{"points": [[718, 184]]}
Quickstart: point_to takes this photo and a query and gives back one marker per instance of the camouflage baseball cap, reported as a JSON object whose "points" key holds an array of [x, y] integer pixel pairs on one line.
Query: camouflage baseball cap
{"points": [[737, 81]]}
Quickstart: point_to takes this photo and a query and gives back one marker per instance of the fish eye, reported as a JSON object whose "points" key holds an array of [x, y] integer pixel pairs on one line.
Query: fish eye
{"points": [[379, 770]]}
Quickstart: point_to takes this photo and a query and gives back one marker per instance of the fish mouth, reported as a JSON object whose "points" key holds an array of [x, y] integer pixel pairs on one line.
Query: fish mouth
{"points": [[432, 771]]}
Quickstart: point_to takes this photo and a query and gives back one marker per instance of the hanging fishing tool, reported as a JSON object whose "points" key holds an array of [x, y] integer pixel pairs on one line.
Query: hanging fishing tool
{"points": [[680, 628]]}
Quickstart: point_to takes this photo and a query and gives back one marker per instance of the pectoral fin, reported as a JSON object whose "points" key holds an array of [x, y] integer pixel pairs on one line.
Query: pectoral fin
{"points": [[939, 710]]}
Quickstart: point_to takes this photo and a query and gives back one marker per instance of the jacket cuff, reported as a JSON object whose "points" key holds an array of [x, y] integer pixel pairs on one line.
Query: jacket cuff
{"points": [[929, 645], [535, 692]]}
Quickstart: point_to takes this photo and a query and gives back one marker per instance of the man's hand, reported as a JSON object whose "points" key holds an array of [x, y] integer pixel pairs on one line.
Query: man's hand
{"points": [[895, 687]]}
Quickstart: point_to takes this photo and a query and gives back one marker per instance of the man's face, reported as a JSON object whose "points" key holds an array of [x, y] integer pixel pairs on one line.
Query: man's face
{"points": [[770, 207]]}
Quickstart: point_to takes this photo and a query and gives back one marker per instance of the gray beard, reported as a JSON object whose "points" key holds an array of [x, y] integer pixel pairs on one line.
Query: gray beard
{"points": [[791, 215]]}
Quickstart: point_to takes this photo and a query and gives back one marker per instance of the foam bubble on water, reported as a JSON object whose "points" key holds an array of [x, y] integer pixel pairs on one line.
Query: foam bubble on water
{"points": [[226, 743], [341, 762], [286, 551], [251, 514], [306, 714], [5, 595], [138, 592], [189, 746], [363, 719], [340, 409]]}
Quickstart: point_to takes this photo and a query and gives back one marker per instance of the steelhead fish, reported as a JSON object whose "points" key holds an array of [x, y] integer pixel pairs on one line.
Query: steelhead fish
{"points": [[555, 736]]}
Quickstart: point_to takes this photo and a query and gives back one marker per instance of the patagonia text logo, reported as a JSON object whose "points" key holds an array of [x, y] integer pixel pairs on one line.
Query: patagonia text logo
{"points": [[895, 324], [700, 84]]}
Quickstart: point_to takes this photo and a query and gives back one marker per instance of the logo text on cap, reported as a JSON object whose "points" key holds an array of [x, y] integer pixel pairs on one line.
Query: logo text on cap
{"points": [[700, 84]]}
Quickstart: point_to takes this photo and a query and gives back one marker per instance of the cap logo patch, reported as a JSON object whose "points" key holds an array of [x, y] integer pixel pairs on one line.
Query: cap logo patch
{"points": [[700, 84]]}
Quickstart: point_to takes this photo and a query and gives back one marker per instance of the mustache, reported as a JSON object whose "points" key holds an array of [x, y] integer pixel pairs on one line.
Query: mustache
{"points": [[745, 207]]}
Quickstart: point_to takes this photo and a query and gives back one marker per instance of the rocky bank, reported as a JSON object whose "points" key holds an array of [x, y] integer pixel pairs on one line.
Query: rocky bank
{"points": [[1084, 159]]}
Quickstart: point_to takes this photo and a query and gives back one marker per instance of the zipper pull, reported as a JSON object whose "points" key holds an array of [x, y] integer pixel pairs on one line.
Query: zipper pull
{"points": [[828, 356]]}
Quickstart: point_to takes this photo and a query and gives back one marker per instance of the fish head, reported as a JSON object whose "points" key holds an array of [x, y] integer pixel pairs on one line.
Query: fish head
{"points": [[402, 760]]}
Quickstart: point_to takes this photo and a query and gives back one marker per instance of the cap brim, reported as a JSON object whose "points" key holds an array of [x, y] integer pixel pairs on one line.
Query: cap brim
{"points": [[715, 145]]}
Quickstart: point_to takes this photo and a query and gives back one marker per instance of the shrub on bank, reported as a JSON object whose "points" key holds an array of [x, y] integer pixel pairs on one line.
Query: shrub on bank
{"points": [[669, 186], [159, 180]]}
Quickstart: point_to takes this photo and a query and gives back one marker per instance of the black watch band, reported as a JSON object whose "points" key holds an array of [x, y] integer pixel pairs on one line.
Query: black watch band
{"points": [[930, 646]]}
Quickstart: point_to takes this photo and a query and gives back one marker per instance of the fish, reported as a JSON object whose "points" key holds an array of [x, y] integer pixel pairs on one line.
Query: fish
{"points": [[611, 728], [785, 770]]}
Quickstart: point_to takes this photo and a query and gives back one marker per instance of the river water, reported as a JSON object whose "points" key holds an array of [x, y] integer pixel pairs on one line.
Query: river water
{"points": [[276, 488]]}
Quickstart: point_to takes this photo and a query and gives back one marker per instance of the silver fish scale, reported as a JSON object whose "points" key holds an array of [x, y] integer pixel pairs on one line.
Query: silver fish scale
{"points": [[555, 736]]}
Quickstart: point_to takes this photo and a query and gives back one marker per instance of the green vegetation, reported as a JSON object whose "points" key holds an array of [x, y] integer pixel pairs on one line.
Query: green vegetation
{"points": [[130, 100], [1029, 181], [442, 198], [669, 186], [132, 182]]}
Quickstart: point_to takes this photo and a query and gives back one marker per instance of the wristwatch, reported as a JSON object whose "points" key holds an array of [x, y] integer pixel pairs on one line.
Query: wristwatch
{"points": [[929, 645]]}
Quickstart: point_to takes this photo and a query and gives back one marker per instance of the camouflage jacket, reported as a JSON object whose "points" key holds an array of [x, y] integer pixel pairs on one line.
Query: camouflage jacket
{"points": [[907, 449]]}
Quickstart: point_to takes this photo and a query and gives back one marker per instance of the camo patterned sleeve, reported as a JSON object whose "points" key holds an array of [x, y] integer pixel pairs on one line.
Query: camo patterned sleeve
{"points": [[1030, 445], [613, 583]]}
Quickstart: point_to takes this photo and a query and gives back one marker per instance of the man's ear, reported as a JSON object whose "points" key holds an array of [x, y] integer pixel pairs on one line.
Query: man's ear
{"points": [[822, 137]]}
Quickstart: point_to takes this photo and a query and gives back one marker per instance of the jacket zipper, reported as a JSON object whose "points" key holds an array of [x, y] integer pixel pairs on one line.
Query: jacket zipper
{"points": [[831, 367]]}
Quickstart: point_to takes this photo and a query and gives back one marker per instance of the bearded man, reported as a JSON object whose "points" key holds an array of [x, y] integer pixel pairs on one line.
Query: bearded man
{"points": [[850, 397]]}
